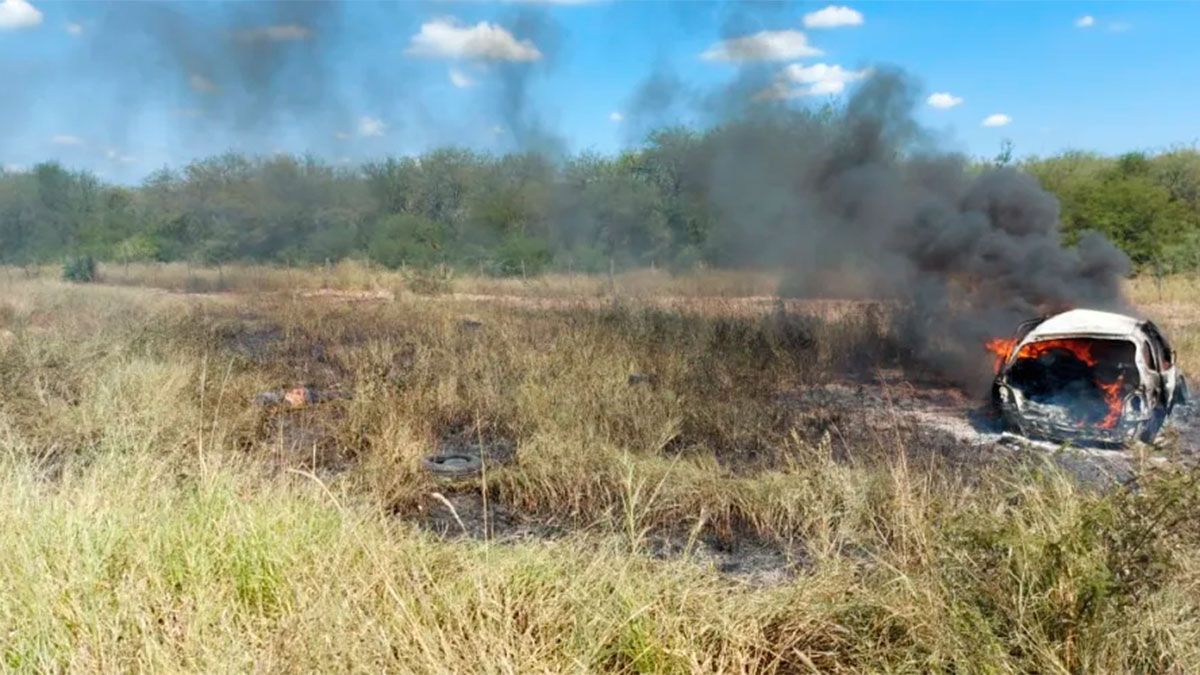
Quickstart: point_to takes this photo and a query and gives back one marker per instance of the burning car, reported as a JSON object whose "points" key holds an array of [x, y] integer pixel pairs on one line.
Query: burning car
{"points": [[1085, 375]]}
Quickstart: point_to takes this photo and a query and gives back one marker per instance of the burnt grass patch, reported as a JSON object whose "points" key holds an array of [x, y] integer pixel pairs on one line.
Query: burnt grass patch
{"points": [[747, 556], [311, 438], [741, 554], [753, 394]]}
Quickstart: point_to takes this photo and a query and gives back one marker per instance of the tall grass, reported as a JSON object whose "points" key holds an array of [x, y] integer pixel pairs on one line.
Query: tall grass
{"points": [[153, 520]]}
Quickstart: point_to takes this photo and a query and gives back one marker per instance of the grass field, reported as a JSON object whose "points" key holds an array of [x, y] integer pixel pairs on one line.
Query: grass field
{"points": [[154, 518]]}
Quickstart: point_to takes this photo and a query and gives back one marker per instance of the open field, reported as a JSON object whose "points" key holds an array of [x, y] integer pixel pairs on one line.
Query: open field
{"points": [[686, 476]]}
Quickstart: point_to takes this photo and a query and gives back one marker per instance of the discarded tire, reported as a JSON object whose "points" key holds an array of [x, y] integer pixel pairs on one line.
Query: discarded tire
{"points": [[453, 465]]}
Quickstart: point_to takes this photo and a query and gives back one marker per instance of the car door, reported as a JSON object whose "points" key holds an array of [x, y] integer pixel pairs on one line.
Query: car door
{"points": [[1165, 361], [1153, 381]]}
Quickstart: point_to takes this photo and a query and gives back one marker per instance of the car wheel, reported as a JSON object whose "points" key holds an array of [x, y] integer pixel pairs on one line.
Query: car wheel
{"points": [[1149, 429], [1004, 422]]}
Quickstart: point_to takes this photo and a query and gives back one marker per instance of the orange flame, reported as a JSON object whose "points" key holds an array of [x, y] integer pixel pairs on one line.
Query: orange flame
{"points": [[1080, 349], [1112, 399], [1001, 347], [297, 397]]}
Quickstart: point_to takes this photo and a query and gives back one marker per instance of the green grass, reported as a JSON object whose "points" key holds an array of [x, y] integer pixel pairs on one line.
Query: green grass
{"points": [[175, 563], [151, 521]]}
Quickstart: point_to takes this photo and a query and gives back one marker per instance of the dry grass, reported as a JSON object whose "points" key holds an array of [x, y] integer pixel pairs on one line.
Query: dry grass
{"points": [[1174, 304], [353, 275], [157, 521]]}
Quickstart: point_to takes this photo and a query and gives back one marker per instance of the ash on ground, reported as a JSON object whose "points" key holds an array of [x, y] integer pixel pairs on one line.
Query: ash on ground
{"points": [[940, 419]]}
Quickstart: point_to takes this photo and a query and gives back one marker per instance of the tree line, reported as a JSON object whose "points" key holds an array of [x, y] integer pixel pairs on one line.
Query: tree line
{"points": [[510, 214]]}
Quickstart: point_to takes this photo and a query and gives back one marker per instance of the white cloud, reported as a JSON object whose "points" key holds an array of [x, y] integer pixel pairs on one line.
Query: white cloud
{"points": [[202, 84], [616, 116], [497, 130], [460, 79], [117, 156], [446, 38], [16, 14], [997, 120], [371, 126], [815, 80], [768, 45], [1085, 21], [66, 139], [74, 29], [367, 127], [14, 168], [831, 78], [833, 16], [281, 33], [943, 100], [826, 87]]}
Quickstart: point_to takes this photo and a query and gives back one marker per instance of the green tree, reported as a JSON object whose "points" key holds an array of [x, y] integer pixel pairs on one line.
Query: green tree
{"points": [[1131, 210], [408, 239]]}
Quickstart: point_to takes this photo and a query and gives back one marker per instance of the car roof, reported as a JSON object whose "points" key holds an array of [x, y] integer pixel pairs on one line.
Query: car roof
{"points": [[1085, 322]]}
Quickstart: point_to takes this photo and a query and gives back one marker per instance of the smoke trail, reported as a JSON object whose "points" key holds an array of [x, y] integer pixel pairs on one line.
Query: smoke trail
{"points": [[657, 103], [514, 102], [236, 70]]}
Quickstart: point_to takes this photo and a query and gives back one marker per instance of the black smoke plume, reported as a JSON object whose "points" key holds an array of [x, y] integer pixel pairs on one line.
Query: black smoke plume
{"points": [[859, 201]]}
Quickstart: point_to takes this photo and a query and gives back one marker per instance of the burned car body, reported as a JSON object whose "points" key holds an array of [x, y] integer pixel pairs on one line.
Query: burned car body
{"points": [[1085, 375]]}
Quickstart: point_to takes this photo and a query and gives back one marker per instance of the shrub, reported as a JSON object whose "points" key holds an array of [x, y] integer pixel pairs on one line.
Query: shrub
{"points": [[408, 240], [428, 280], [522, 255], [80, 269]]}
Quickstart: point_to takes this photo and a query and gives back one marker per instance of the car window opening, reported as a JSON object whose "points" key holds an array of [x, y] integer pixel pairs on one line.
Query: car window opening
{"points": [[1089, 377]]}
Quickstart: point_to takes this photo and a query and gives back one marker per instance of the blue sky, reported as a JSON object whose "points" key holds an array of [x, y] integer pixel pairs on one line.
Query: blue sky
{"points": [[125, 88]]}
